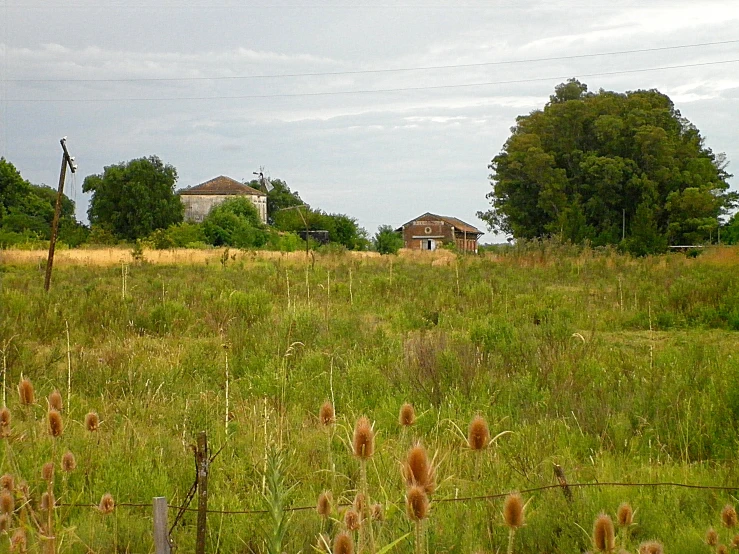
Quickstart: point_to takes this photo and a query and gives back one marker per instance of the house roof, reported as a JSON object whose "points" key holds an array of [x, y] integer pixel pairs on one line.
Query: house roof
{"points": [[458, 224], [222, 185]]}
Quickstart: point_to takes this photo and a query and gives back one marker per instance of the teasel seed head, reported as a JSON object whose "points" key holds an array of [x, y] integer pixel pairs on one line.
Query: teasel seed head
{"points": [[377, 512], [407, 416], [5, 521], [364, 439], [4, 422], [69, 464], [513, 511], [359, 505], [7, 482], [604, 535], [7, 502], [47, 501], [55, 401], [18, 542], [416, 503], [651, 547], [625, 515], [351, 520], [418, 470], [343, 544], [47, 471], [56, 428], [735, 542], [711, 537], [323, 506], [728, 516], [327, 416], [92, 422], [722, 549], [107, 504], [478, 434], [25, 392]]}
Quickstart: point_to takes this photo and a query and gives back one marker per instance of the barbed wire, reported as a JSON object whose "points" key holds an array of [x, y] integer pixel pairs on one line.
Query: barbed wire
{"points": [[438, 500]]}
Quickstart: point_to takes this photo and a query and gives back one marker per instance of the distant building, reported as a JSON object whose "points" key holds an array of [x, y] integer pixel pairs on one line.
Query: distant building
{"points": [[430, 231], [199, 200]]}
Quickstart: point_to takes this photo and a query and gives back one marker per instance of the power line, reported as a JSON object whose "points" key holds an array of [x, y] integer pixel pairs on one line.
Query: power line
{"points": [[375, 91], [375, 71]]}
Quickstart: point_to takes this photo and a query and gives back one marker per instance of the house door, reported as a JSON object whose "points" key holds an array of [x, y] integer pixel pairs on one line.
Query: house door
{"points": [[428, 244]]}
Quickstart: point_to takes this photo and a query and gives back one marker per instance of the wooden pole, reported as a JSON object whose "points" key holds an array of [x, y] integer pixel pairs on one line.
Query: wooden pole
{"points": [[66, 161], [161, 532], [203, 462]]}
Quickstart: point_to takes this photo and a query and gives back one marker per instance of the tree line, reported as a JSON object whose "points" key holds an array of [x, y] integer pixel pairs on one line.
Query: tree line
{"points": [[137, 201]]}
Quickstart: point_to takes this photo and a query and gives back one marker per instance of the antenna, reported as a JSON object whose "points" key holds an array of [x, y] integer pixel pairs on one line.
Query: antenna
{"points": [[264, 181]]}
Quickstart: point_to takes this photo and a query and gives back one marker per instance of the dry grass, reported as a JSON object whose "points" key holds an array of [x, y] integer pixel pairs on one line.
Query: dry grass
{"points": [[176, 256]]}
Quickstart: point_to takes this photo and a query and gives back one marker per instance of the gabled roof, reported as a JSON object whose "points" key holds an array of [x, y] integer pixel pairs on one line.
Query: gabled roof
{"points": [[458, 224], [222, 185]]}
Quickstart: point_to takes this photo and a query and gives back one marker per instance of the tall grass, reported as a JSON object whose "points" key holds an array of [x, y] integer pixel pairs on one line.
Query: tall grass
{"points": [[551, 345]]}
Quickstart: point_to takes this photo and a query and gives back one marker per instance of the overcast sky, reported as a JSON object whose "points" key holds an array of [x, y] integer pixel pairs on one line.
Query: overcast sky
{"points": [[219, 87]]}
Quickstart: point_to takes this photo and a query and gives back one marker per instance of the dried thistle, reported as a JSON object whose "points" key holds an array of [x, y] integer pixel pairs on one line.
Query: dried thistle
{"points": [[651, 547], [55, 401], [359, 505], [56, 428], [92, 422], [722, 549], [7, 502], [47, 471], [625, 515], [378, 512], [69, 464], [351, 520], [5, 521], [735, 542], [327, 416], [407, 416], [323, 506], [416, 503], [604, 536], [417, 469], [47, 501], [513, 511], [7, 482], [364, 439], [711, 537], [107, 504], [478, 435], [728, 516], [343, 544], [4, 422], [25, 392], [18, 542]]}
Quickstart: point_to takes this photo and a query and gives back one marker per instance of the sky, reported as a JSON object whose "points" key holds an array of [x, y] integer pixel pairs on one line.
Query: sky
{"points": [[380, 110]]}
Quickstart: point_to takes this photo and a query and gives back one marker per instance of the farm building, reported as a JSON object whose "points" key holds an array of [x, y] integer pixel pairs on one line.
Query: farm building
{"points": [[199, 200], [430, 231]]}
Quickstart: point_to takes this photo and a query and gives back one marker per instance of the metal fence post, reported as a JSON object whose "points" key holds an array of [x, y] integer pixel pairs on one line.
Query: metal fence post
{"points": [[161, 528]]}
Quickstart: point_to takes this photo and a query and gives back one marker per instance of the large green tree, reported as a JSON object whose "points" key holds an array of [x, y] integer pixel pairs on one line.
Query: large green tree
{"points": [[598, 166], [27, 210], [134, 199]]}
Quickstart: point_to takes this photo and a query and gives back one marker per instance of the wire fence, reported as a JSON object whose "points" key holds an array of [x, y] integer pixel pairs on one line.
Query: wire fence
{"points": [[494, 496]]}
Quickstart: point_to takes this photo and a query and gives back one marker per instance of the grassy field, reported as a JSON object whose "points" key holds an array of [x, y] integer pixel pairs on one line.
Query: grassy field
{"points": [[615, 369]]}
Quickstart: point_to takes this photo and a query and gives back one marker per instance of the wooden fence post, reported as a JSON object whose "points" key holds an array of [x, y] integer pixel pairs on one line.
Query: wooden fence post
{"points": [[203, 461], [161, 528]]}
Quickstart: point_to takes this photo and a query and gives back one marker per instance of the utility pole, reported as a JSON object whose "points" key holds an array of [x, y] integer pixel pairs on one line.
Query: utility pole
{"points": [[67, 161]]}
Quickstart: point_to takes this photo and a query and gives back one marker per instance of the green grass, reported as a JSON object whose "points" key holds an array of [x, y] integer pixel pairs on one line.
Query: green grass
{"points": [[551, 344]]}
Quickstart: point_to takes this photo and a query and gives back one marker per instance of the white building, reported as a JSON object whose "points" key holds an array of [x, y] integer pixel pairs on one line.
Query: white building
{"points": [[199, 200]]}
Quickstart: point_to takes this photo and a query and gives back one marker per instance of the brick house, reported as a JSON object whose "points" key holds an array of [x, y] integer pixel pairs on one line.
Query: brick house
{"points": [[199, 200], [430, 231]]}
